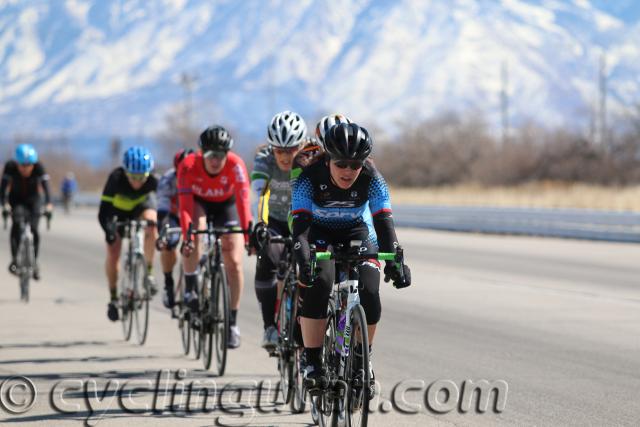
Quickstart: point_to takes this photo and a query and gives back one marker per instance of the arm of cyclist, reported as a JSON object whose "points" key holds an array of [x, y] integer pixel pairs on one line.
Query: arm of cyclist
{"points": [[4, 185], [242, 194], [185, 193], [43, 177], [380, 205], [301, 211], [106, 210]]}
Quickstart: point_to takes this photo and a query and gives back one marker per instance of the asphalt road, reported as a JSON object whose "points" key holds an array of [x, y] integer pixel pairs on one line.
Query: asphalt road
{"points": [[555, 322]]}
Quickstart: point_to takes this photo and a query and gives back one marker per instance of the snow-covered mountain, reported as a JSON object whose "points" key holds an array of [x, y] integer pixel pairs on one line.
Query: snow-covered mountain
{"points": [[97, 67]]}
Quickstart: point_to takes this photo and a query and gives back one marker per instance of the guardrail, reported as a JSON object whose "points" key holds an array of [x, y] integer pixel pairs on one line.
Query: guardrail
{"points": [[569, 223]]}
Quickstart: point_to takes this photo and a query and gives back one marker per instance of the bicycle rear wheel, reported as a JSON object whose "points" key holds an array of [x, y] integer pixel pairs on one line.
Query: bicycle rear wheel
{"points": [[142, 295], [221, 315], [357, 374]]}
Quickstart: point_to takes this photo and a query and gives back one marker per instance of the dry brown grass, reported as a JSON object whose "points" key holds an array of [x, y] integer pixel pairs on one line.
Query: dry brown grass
{"points": [[543, 195]]}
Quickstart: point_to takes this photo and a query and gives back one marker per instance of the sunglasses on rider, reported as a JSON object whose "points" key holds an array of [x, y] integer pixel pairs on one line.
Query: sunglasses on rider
{"points": [[353, 164], [288, 150], [214, 154], [137, 176]]}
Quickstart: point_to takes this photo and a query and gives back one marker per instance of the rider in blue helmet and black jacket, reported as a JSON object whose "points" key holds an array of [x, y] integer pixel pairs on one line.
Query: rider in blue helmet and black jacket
{"points": [[23, 176]]}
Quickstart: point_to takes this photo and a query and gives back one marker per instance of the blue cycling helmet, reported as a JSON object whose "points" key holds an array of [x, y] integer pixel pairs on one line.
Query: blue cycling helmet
{"points": [[26, 154], [138, 160]]}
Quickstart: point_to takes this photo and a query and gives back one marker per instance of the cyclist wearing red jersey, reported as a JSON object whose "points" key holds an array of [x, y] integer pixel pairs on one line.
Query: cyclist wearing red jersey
{"points": [[214, 183]]}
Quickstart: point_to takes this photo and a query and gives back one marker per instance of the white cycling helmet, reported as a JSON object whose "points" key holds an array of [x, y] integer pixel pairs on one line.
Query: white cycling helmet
{"points": [[287, 129], [327, 122]]}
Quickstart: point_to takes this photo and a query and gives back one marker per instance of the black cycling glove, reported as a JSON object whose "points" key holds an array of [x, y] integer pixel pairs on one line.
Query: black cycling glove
{"points": [[391, 272]]}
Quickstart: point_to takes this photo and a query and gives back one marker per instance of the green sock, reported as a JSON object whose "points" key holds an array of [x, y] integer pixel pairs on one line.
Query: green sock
{"points": [[114, 294]]}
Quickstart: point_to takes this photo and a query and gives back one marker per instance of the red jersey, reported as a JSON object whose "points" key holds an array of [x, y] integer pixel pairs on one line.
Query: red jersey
{"points": [[195, 181]]}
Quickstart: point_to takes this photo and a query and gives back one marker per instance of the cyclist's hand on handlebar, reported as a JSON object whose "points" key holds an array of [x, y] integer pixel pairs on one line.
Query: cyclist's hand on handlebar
{"points": [[258, 236], [188, 247], [399, 279], [161, 243]]}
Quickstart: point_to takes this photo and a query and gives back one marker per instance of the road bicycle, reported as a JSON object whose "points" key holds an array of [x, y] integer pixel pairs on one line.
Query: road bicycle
{"points": [[135, 292], [210, 322], [288, 349], [345, 350], [25, 256]]}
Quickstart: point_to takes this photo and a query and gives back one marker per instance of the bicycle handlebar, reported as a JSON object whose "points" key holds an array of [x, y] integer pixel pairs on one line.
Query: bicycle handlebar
{"points": [[349, 256], [217, 231]]}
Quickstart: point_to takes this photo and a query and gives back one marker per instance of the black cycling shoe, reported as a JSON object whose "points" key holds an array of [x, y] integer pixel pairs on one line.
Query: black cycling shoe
{"points": [[13, 268], [314, 375], [36, 272], [168, 299], [358, 375], [112, 311], [151, 280]]}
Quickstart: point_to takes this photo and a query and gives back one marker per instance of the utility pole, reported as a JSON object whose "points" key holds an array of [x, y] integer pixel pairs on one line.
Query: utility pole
{"points": [[504, 101], [187, 81], [602, 84]]}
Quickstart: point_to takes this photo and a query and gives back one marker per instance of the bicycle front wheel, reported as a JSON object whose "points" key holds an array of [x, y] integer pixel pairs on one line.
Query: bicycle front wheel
{"points": [[325, 408], [126, 299], [221, 314], [206, 323], [24, 263], [141, 297], [298, 401], [357, 373], [184, 321]]}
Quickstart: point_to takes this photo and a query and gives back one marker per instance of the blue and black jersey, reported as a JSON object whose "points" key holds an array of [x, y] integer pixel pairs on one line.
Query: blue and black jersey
{"points": [[327, 210]]}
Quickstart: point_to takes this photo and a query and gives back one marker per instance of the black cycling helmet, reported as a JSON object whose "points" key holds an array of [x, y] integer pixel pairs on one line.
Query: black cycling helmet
{"points": [[180, 155], [215, 138], [348, 141]]}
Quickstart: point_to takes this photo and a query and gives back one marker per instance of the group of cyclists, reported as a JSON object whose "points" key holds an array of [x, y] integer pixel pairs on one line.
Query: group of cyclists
{"points": [[321, 190]]}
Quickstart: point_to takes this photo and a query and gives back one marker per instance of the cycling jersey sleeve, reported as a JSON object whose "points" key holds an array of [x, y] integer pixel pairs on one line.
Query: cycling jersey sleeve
{"points": [[105, 212], [259, 179], [185, 193], [242, 193], [43, 176], [380, 205], [301, 211], [4, 183], [166, 191]]}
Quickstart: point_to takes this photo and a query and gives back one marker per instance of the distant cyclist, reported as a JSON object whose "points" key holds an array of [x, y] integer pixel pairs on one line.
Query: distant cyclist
{"points": [[314, 146], [128, 194], [341, 198], [169, 214], [271, 182], [213, 183], [68, 188], [24, 176]]}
